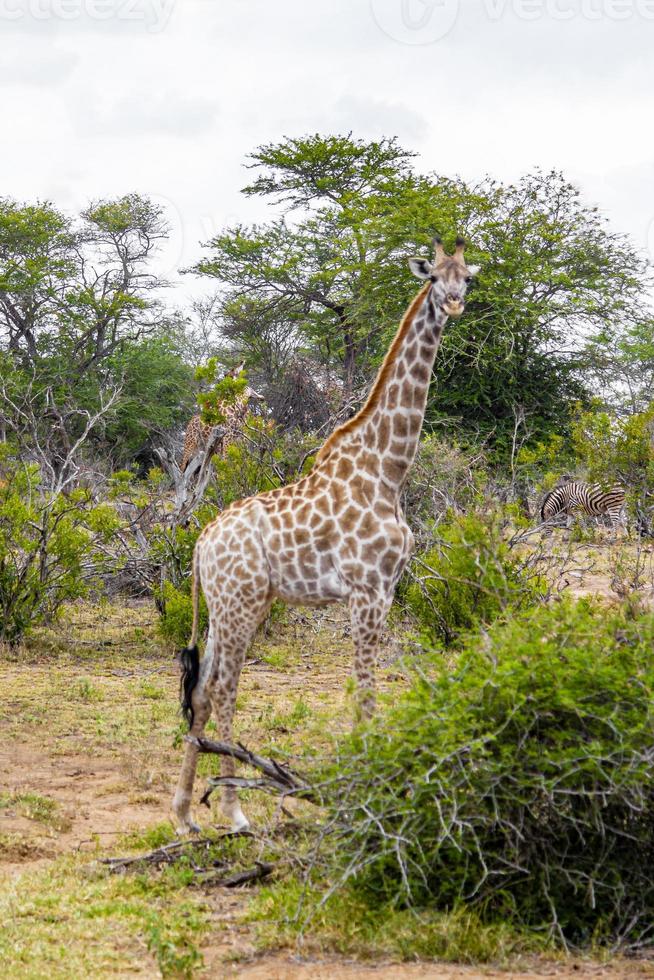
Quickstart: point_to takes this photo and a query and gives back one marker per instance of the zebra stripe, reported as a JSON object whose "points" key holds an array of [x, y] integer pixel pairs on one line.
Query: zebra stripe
{"points": [[588, 497]]}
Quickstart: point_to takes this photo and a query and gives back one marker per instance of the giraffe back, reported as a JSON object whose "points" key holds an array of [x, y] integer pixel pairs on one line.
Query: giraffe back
{"points": [[195, 439]]}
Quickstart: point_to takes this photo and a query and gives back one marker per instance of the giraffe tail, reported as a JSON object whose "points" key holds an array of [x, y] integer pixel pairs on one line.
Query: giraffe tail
{"points": [[189, 657]]}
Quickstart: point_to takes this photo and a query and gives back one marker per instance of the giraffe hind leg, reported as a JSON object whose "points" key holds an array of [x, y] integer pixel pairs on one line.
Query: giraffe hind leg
{"points": [[237, 602], [196, 706]]}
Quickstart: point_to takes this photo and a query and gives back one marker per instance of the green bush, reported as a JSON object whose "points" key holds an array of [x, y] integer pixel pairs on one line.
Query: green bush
{"points": [[248, 467], [616, 450], [155, 395], [171, 549], [521, 785], [177, 614], [468, 579], [50, 548], [263, 459]]}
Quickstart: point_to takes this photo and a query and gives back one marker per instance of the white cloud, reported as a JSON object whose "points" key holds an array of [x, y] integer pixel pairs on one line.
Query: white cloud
{"points": [[144, 113], [114, 106], [370, 116], [19, 67]]}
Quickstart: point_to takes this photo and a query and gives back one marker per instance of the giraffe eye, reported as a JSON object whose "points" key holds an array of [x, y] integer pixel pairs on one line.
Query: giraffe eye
{"points": [[468, 280]]}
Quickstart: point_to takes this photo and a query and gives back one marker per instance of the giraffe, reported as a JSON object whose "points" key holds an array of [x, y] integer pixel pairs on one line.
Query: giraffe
{"points": [[198, 432], [337, 534]]}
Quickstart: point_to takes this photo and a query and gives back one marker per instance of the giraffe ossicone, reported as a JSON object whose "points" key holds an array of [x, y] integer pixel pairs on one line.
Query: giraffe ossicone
{"points": [[337, 534]]}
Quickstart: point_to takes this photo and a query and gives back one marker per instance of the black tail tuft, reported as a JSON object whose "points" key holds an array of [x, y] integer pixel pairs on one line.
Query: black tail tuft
{"points": [[189, 659]]}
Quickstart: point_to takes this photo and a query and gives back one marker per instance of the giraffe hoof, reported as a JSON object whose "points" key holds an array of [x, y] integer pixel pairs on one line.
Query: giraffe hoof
{"points": [[186, 826], [238, 820], [186, 829]]}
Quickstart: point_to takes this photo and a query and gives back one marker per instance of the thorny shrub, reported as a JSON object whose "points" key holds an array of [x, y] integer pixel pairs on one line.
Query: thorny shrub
{"points": [[619, 451], [444, 478], [519, 785]]}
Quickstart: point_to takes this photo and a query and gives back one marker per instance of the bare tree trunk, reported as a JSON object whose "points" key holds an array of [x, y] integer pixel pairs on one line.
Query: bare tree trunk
{"points": [[189, 486]]}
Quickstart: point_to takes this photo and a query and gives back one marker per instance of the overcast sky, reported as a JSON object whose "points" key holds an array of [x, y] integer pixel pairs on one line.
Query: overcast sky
{"points": [[166, 97]]}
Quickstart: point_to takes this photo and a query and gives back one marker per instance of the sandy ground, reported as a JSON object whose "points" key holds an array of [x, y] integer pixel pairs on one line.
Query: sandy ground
{"points": [[286, 969]]}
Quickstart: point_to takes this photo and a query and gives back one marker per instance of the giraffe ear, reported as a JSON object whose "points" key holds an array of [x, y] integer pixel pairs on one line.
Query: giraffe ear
{"points": [[421, 268], [473, 269]]}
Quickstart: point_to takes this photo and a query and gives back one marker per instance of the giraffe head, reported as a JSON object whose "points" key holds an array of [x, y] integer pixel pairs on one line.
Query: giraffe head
{"points": [[449, 275], [249, 393]]}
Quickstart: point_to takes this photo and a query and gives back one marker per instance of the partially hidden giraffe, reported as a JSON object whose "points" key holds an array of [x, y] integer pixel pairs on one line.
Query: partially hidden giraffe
{"points": [[197, 432], [337, 534]]}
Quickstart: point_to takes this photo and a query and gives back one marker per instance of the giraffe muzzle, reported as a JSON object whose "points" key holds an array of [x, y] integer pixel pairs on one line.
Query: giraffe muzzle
{"points": [[453, 306]]}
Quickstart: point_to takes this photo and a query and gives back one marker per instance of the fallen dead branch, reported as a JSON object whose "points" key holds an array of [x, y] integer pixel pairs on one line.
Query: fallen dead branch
{"points": [[210, 871], [260, 870], [167, 854], [277, 778], [210, 874]]}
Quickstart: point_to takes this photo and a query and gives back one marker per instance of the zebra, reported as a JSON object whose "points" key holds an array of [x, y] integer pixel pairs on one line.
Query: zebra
{"points": [[587, 497]]}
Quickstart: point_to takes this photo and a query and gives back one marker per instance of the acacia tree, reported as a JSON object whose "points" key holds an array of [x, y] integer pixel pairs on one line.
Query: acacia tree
{"points": [[81, 314], [554, 280], [330, 273], [307, 275], [37, 264], [77, 290]]}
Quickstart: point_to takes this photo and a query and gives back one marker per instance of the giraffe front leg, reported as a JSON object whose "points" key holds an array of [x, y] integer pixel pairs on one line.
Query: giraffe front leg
{"points": [[368, 612], [224, 701]]}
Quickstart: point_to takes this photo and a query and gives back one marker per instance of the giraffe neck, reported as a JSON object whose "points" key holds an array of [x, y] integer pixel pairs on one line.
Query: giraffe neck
{"points": [[384, 435]]}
